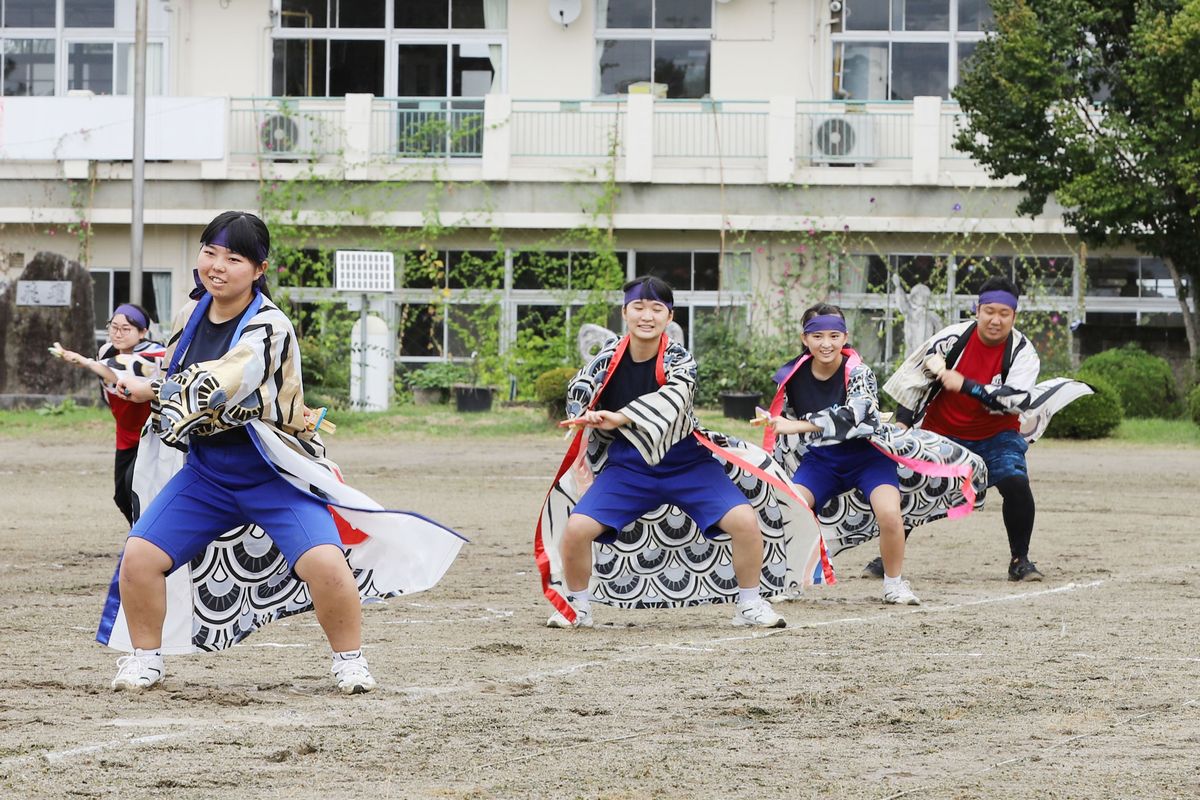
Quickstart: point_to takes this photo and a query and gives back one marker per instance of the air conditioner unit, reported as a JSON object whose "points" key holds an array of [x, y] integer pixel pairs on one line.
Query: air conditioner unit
{"points": [[843, 139], [283, 136]]}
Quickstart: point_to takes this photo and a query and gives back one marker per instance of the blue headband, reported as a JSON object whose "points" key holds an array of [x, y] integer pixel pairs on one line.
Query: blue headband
{"points": [[825, 322], [222, 240], [998, 296], [644, 291], [134, 315]]}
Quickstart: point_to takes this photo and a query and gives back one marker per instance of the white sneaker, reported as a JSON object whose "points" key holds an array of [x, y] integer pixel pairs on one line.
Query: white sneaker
{"points": [[758, 614], [901, 594], [352, 676], [583, 619], [138, 671]]}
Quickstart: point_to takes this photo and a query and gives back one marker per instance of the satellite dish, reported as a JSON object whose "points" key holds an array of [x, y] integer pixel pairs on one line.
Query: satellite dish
{"points": [[564, 12]]}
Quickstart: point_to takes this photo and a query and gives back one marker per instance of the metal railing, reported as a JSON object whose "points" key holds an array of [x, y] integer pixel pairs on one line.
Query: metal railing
{"points": [[286, 128], [710, 129], [949, 125], [566, 128], [426, 127]]}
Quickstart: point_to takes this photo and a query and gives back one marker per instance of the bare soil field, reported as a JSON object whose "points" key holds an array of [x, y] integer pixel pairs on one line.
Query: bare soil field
{"points": [[1084, 686]]}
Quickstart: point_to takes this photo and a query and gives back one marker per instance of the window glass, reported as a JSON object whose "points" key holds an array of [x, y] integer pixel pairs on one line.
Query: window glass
{"points": [[975, 15], [682, 14], [1156, 279], [298, 68], [88, 13], [28, 67], [90, 66], [598, 270], [422, 14], [706, 271], [303, 14], [420, 330], [120, 294], [468, 14], [472, 69], [622, 62], [154, 70], [919, 69], [536, 270], [965, 51], [1043, 275], [972, 271], [864, 71], [422, 70], [28, 13], [360, 13], [683, 67], [1112, 277], [866, 15], [101, 302], [625, 13], [920, 15], [355, 66], [674, 268]]}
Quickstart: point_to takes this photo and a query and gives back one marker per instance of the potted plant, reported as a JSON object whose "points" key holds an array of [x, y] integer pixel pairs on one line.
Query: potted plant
{"points": [[431, 384], [734, 365]]}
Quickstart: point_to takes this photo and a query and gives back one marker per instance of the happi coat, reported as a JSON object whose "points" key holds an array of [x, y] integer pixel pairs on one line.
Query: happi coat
{"points": [[241, 581], [663, 559], [938, 478]]}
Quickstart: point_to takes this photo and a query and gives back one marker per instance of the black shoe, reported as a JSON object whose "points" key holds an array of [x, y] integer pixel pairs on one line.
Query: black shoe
{"points": [[874, 569], [1023, 570]]}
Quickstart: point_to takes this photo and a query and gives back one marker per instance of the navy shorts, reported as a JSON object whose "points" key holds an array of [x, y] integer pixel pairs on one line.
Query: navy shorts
{"points": [[688, 477], [225, 486], [837, 468], [1003, 453]]}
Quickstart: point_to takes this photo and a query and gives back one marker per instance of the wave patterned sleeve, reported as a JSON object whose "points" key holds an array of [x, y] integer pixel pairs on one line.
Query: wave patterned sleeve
{"points": [[856, 418]]}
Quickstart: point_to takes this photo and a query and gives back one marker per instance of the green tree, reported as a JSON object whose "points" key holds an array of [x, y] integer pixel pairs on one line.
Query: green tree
{"points": [[1096, 102]]}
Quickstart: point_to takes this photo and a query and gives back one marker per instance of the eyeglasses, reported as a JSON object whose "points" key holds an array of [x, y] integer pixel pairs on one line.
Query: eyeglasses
{"points": [[122, 330]]}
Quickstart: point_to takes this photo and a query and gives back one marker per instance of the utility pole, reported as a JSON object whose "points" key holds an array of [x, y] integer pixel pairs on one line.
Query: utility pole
{"points": [[139, 155]]}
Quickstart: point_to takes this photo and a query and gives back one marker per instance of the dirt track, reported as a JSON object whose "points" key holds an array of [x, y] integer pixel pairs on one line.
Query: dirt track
{"points": [[1087, 685]]}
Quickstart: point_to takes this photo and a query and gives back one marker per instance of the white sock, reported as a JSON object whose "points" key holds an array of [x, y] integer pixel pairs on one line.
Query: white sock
{"points": [[747, 596], [581, 600], [347, 655], [889, 582]]}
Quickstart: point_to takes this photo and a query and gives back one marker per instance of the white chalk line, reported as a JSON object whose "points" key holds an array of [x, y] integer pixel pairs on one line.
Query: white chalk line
{"points": [[55, 756], [1112, 726]]}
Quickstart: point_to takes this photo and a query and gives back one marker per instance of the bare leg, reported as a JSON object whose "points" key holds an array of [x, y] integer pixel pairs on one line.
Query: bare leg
{"points": [[334, 594], [741, 523], [576, 550], [143, 582], [885, 502]]}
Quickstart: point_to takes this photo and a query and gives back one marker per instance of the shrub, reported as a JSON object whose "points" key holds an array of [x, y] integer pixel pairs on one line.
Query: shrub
{"points": [[1193, 404], [439, 375], [550, 388], [1094, 416], [1144, 382]]}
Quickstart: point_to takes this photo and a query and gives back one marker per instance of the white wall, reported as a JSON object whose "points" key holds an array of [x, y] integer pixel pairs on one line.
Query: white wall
{"points": [[765, 48], [546, 60], [223, 51]]}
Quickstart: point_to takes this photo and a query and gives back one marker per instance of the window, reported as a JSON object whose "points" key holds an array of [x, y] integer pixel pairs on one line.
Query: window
{"points": [[901, 49], [50, 47], [665, 45], [110, 288], [696, 271], [328, 48]]}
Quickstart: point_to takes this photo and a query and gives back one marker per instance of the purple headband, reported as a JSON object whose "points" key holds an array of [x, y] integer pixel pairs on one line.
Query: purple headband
{"points": [[825, 322], [133, 315], [222, 240], [998, 296], [644, 291]]}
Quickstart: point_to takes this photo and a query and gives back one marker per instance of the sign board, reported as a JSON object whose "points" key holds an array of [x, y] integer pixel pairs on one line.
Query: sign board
{"points": [[364, 271], [43, 293]]}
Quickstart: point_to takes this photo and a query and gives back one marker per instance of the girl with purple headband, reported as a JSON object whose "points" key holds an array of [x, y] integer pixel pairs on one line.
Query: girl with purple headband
{"points": [[244, 519], [824, 428], [128, 351], [649, 509]]}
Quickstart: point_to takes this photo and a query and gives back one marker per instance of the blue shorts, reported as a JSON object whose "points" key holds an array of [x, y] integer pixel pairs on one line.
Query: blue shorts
{"points": [[1003, 453], [836, 469], [688, 477], [225, 486]]}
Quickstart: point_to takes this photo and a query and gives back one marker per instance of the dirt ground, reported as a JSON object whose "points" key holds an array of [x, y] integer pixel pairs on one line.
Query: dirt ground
{"points": [[1084, 686]]}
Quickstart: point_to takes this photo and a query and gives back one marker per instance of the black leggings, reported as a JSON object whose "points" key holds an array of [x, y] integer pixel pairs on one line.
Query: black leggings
{"points": [[1018, 514], [123, 481]]}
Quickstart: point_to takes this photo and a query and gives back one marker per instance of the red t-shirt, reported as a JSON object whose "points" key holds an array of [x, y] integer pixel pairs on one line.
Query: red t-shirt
{"points": [[130, 418], [962, 416]]}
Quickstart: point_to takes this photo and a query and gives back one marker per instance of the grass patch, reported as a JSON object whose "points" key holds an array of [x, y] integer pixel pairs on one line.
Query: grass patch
{"points": [[441, 421], [64, 419], [1169, 432]]}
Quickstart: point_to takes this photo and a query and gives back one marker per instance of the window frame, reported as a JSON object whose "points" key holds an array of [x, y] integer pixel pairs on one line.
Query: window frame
{"points": [[653, 35]]}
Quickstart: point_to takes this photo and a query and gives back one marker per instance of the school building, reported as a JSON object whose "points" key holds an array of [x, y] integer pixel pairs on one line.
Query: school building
{"points": [[753, 152]]}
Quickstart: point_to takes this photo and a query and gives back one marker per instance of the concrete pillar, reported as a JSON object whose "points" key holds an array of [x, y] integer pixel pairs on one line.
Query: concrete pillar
{"points": [[356, 131], [638, 140], [781, 140], [371, 366], [497, 137], [926, 139]]}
